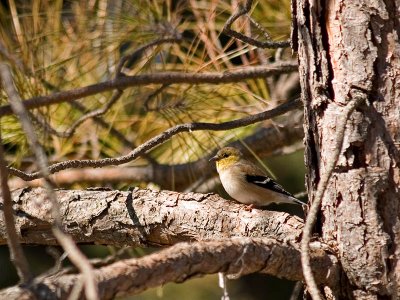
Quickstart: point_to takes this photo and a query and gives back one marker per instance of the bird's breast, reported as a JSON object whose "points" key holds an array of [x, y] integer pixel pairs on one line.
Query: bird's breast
{"points": [[235, 185]]}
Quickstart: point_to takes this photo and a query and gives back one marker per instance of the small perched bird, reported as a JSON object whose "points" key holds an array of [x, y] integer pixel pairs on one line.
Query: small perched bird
{"points": [[247, 183]]}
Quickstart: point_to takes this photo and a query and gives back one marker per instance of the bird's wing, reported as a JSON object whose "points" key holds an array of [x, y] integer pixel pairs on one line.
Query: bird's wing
{"points": [[267, 183]]}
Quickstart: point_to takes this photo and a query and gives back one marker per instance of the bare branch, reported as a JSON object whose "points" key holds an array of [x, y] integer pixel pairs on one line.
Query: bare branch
{"points": [[92, 114], [183, 261], [114, 132], [16, 253], [249, 40], [73, 252], [277, 138], [145, 217], [124, 82], [161, 138], [309, 277], [89, 280]]}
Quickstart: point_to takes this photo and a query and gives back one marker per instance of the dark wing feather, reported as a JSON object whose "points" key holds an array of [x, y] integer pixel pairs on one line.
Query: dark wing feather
{"points": [[267, 183]]}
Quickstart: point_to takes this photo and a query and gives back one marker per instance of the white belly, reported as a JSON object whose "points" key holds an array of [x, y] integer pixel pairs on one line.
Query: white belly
{"points": [[239, 189]]}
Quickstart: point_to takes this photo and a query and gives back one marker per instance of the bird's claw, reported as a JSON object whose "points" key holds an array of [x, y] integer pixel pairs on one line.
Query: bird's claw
{"points": [[249, 207]]}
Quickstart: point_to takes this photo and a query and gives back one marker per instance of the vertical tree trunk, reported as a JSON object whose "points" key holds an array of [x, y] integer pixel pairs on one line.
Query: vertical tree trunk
{"points": [[346, 47]]}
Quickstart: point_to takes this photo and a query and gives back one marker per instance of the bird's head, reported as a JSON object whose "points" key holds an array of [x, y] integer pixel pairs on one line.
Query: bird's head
{"points": [[226, 157]]}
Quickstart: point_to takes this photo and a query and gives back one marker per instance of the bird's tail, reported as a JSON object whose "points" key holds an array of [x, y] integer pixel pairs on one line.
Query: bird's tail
{"points": [[297, 201]]}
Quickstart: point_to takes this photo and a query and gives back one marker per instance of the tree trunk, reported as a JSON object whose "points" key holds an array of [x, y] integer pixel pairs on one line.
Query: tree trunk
{"points": [[348, 47]]}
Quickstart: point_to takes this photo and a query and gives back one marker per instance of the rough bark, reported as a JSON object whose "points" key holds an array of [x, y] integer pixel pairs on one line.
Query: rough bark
{"points": [[178, 263], [346, 47], [231, 240], [144, 218]]}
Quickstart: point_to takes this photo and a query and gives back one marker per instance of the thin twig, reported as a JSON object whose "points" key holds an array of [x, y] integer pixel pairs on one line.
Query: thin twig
{"points": [[114, 132], [124, 82], [92, 114], [104, 125], [223, 284], [296, 291], [80, 261], [315, 206], [138, 52], [160, 139], [65, 240], [246, 39], [260, 28], [58, 260], [76, 290], [16, 253], [152, 96]]}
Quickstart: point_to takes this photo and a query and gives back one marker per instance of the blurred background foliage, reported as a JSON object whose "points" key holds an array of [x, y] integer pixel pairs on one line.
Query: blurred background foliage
{"points": [[60, 45]]}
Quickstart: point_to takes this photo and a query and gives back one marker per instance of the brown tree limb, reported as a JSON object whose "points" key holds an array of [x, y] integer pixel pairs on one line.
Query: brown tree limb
{"points": [[124, 82], [183, 261], [161, 138], [183, 174], [144, 217]]}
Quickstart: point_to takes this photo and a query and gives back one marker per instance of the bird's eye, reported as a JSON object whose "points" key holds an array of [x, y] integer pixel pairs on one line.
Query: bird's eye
{"points": [[225, 155]]}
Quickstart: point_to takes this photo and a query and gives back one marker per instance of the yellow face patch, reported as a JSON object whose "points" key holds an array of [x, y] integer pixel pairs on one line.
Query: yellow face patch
{"points": [[226, 157], [225, 162]]}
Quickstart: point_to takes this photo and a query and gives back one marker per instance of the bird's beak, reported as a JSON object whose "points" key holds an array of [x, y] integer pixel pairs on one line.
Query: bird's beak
{"points": [[214, 158]]}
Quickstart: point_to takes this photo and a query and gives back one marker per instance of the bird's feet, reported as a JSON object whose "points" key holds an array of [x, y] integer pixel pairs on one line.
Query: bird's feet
{"points": [[249, 207]]}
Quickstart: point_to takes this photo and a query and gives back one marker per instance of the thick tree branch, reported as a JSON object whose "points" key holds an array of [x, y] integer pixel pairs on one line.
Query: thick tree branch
{"points": [[144, 217], [178, 263], [124, 82], [160, 139]]}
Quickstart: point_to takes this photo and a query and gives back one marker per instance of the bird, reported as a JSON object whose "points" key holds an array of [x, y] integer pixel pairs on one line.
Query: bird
{"points": [[247, 183]]}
